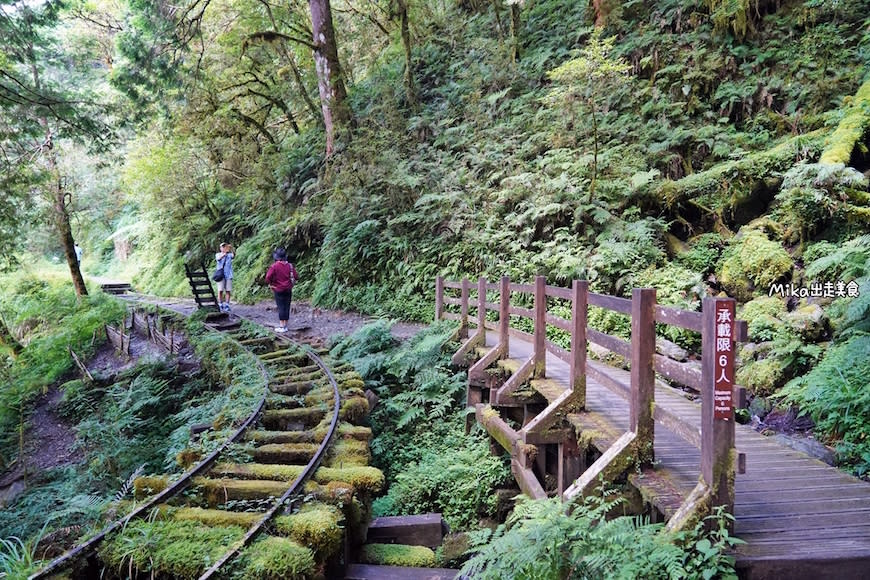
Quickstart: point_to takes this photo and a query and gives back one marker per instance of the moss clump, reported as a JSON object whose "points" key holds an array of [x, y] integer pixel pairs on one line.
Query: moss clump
{"points": [[856, 121], [269, 471], [355, 383], [752, 261], [349, 452], [218, 491], [167, 548], [348, 431], [764, 376], [282, 419], [214, 518], [317, 526], [362, 478], [354, 409], [398, 555], [284, 452], [274, 558], [149, 485], [281, 436], [762, 316], [187, 457]]}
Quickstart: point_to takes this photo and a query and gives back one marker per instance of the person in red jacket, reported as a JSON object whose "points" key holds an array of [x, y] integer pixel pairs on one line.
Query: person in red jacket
{"points": [[281, 277]]}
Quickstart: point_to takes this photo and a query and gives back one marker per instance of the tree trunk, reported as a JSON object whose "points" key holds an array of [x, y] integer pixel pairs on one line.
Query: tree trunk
{"points": [[515, 31], [58, 196], [333, 97], [410, 88], [64, 232]]}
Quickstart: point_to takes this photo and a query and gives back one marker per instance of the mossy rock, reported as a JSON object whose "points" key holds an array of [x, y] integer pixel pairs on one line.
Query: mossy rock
{"points": [[167, 548], [264, 437], [317, 526], [752, 262], [398, 555], [763, 377], [354, 383], [354, 410], [276, 558], [763, 317], [148, 485], [809, 321], [187, 457]]}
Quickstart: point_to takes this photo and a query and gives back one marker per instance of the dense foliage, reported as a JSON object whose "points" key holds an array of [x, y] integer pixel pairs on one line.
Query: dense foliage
{"points": [[419, 439], [543, 539]]}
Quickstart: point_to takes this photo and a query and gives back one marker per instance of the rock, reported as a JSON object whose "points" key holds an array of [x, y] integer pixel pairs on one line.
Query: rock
{"points": [[759, 407], [671, 350], [810, 321], [810, 446]]}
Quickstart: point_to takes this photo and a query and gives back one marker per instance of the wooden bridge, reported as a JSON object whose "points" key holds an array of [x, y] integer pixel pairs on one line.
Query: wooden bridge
{"points": [[568, 421]]}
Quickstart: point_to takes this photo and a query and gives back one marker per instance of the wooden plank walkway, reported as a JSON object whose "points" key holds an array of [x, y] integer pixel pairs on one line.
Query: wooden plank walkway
{"points": [[800, 517]]}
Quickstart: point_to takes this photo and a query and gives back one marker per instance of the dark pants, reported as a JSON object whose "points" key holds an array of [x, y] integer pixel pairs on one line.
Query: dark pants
{"points": [[282, 300]]}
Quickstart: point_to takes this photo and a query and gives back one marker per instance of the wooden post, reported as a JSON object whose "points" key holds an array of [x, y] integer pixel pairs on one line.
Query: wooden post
{"points": [[717, 415], [540, 355], [504, 316], [463, 310], [439, 298], [643, 347], [481, 307], [577, 379]]}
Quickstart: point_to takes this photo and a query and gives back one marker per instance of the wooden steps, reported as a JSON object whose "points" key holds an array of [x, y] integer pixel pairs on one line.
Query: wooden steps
{"points": [[548, 388], [417, 530]]}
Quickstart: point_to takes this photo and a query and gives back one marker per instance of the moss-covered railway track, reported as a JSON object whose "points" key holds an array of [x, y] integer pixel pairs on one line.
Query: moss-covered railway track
{"points": [[281, 497]]}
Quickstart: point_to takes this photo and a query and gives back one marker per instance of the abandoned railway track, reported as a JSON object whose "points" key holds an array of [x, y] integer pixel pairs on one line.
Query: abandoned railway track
{"points": [[293, 480]]}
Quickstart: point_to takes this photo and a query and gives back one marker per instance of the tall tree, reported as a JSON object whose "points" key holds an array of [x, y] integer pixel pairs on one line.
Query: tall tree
{"points": [[37, 114], [330, 83]]}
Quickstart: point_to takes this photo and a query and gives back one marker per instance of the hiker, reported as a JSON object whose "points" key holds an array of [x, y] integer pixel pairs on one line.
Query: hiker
{"points": [[78, 251], [225, 287], [280, 278]]}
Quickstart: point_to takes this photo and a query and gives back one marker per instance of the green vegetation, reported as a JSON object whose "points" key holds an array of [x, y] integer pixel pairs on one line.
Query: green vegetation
{"points": [[541, 539], [398, 555], [418, 426]]}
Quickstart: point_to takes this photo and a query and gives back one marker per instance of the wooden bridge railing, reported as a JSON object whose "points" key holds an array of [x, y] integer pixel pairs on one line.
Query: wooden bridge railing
{"points": [[718, 332]]}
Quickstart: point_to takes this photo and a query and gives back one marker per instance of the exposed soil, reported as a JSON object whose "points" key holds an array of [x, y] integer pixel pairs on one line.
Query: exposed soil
{"points": [[306, 323]]}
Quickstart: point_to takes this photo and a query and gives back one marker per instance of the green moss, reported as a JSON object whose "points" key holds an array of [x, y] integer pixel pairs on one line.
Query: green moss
{"points": [[281, 419], [841, 143], [218, 491], [398, 555], [752, 262], [149, 485], [762, 377], [362, 478], [284, 452], [317, 526], [178, 549], [762, 316], [354, 409], [274, 558], [354, 383], [214, 518], [349, 431], [349, 452]]}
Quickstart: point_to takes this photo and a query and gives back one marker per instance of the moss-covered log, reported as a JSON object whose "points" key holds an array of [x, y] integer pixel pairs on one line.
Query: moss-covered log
{"points": [[851, 130]]}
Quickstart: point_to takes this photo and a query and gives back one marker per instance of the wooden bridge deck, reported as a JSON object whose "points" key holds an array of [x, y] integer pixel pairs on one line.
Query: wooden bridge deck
{"points": [[800, 517]]}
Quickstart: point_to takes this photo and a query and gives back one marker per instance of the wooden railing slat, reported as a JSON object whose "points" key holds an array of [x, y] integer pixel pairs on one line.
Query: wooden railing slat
{"points": [[558, 322], [681, 373], [677, 317], [611, 343], [524, 312], [615, 303], [523, 288], [559, 292]]}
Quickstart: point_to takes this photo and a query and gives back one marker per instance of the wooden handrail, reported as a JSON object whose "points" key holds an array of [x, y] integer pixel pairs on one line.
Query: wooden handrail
{"points": [[716, 438]]}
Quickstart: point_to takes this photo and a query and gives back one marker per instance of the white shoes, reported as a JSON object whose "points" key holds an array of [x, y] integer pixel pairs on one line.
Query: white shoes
{"points": [[280, 329]]}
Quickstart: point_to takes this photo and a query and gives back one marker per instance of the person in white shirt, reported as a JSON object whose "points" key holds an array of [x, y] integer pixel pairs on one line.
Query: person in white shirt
{"points": [[225, 260]]}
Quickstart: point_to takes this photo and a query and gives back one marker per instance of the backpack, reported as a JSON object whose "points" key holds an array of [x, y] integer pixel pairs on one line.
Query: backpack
{"points": [[219, 273]]}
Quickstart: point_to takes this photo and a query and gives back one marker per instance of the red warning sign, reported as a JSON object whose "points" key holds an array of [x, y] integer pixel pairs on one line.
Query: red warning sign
{"points": [[723, 385]]}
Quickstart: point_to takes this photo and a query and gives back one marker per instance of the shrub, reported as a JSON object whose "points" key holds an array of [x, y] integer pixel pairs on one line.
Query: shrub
{"points": [[834, 393]]}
